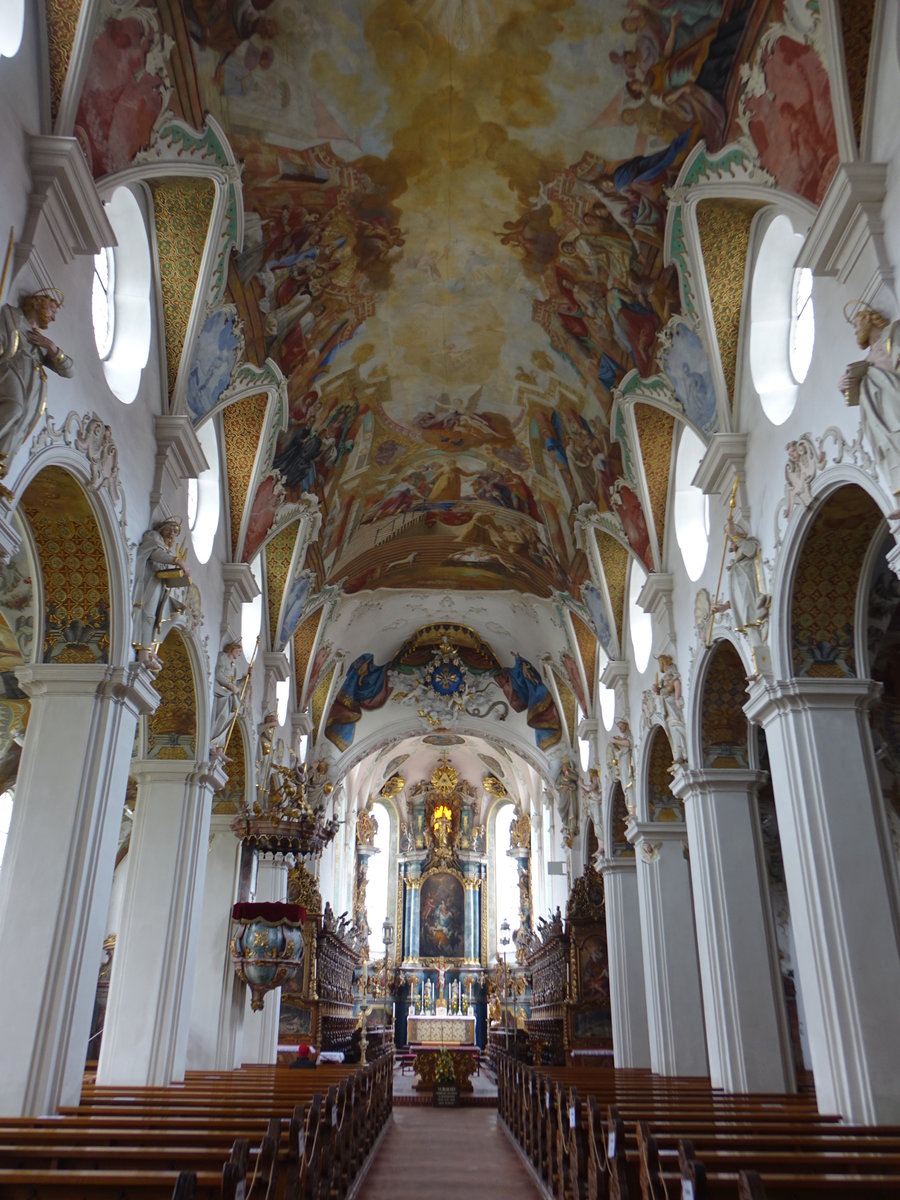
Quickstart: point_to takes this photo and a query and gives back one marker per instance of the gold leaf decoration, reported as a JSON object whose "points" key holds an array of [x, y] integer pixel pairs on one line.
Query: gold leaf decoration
{"points": [[826, 584], [568, 702], [614, 557], [304, 640], [857, 18], [724, 227], [319, 696], [724, 729], [278, 565], [172, 729], [73, 568], [242, 424], [231, 797], [182, 212], [62, 23], [655, 431], [587, 648], [303, 889]]}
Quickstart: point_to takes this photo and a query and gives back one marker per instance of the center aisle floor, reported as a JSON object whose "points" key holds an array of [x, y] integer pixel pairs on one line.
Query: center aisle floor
{"points": [[445, 1153]]}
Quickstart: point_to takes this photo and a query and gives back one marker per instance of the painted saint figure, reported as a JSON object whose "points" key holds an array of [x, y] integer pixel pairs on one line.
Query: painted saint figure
{"points": [[26, 354], [873, 383]]}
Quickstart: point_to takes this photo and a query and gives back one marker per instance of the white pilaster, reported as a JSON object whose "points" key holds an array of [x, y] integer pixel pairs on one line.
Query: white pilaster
{"points": [[631, 1036], [747, 1035], [57, 873], [840, 887], [156, 952], [261, 1028], [671, 970], [216, 1029]]}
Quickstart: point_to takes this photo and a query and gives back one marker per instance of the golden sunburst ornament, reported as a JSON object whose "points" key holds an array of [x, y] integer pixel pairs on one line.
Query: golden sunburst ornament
{"points": [[444, 777]]}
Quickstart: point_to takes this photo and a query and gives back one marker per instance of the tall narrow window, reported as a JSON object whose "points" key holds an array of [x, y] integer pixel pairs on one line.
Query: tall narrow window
{"points": [[506, 873], [378, 878]]}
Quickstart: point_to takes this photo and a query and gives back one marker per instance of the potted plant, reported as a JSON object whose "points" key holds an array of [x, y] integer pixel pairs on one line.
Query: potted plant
{"points": [[446, 1091]]}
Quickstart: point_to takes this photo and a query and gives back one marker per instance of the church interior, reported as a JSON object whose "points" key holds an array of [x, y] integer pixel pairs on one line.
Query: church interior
{"points": [[449, 598]]}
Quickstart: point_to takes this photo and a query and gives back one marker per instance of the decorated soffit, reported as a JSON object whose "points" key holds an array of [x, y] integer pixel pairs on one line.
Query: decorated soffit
{"points": [[454, 250], [724, 227]]}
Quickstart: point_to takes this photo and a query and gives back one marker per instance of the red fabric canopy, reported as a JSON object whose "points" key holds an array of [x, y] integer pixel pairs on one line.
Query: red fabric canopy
{"points": [[272, 913]]}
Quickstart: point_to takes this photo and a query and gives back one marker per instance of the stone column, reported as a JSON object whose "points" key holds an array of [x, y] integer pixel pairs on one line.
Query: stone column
{"points": [[217, 1011], [57, 872], [840, 887], [671, 970], [156, 952], [631, 1036], [261, 1028], [747, 1036]]}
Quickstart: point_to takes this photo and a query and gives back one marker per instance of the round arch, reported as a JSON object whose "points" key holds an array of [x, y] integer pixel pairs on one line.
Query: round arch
{"points": [[98, 512], [179, 728], [816, 619], [615, 816], [655, 799], [720, 729], [73, 618]]}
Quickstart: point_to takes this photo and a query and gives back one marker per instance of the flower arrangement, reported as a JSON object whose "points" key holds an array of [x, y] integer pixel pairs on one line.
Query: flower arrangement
{"points": [[444, 1071]]}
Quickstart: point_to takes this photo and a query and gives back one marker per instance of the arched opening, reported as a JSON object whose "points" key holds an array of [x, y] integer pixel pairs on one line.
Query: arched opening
{"points": [[640, 623], [506, 873], [691, 505], [724, 729], [75, 624], [379, 875], [120, 298], [661, 804], [172, 729], [618, 845], [826, 585]]}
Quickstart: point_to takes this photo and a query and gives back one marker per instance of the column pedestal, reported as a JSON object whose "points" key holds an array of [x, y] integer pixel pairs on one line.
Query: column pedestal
{"points": [[631, 1037], [840, 887], [217, 1011], [156, 952], [747, 1036], [671, 971], [57, 872], [261, 1028]]}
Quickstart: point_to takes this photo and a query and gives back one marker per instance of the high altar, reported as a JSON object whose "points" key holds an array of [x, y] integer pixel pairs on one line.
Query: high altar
{"points": [[440, 1031]]}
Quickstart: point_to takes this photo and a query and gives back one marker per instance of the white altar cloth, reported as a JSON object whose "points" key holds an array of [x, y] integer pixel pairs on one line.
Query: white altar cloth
{"points": [[441, 1031]]}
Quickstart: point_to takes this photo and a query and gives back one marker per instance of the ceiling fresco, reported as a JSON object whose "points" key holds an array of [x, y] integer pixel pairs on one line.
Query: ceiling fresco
{"points": [[457, 250]]}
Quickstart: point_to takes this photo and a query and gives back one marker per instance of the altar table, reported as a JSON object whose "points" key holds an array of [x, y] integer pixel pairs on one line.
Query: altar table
{"points": [[440, 1031]]}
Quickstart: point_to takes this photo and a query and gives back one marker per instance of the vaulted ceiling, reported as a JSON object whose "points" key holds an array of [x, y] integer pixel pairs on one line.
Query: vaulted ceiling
{"points": [[458, 250]]}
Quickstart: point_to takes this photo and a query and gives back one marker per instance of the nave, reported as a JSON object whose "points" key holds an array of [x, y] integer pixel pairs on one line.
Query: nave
{"points": [[336, 1132]]}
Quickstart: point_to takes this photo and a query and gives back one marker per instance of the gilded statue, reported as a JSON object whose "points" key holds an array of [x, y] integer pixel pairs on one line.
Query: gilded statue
{"points": [[26, 355], [520, 832], [366, 826]]}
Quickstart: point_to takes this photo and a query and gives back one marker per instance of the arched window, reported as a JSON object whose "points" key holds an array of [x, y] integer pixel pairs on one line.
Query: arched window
{"points": [[6, 807], [204, 495], [378, 876], [506, 874], [606, 695], [251, 613], [640, 623], [782, 323], [120, 297], [12, 26], [691, 506]]}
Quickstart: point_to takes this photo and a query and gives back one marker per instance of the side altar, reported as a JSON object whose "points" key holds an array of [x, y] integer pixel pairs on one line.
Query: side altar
{"points": [[440, 1030]]}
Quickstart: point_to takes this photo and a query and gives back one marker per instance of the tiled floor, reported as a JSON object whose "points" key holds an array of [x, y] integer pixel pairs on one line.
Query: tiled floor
{"points": [[447, 1154]]}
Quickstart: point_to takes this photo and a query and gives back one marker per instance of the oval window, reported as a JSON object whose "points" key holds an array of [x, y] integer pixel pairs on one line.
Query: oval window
{"points": [[640, 623]]}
